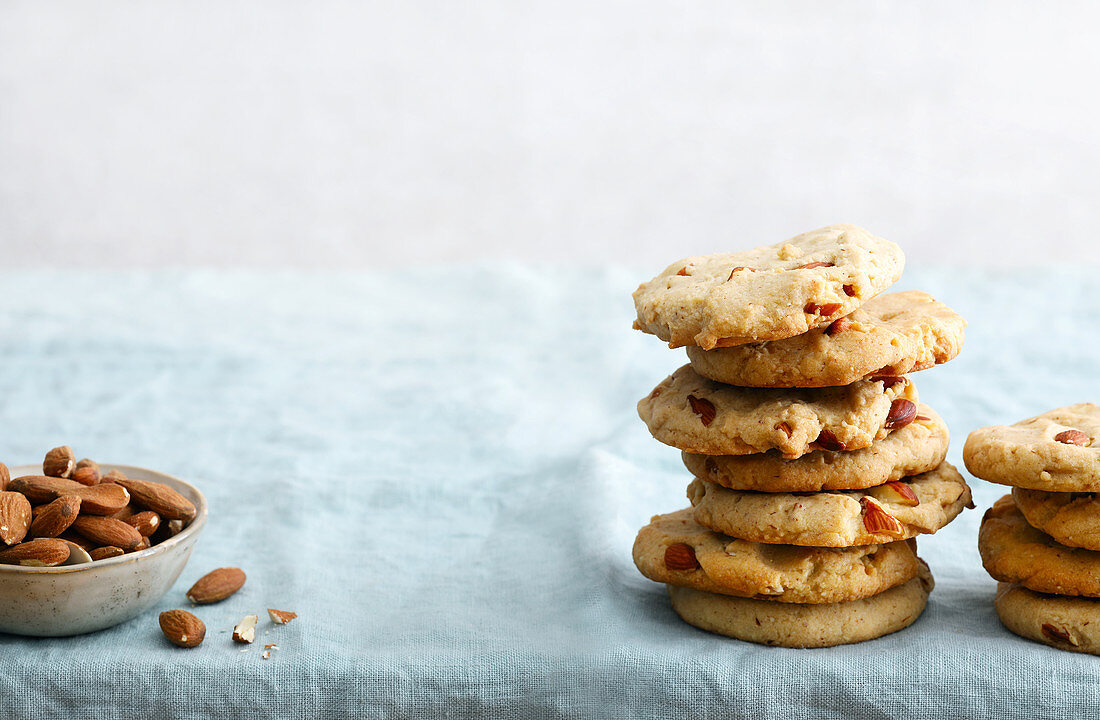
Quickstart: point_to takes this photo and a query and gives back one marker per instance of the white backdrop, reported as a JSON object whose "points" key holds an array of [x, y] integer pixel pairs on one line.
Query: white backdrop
{"points": [[376, 134]]}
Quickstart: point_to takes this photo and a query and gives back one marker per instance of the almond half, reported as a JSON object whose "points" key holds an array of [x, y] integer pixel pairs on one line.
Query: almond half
{"points": [[878, 521]]}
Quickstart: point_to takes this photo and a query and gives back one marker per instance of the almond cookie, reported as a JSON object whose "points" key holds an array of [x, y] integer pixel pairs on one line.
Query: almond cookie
{"points": [[911, 449], [768, 293], [1070, 518], [1054, 451], [1067, 623], [894, 511], [892, 334], [805, 626], [1012, 551], [692, 413], [677, 550]]}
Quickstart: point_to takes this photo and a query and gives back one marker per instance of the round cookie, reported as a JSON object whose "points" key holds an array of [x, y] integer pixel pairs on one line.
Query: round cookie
{"points": [[805, 626], [677, 550], [692, 413], [1055, 451], [1072, 519], [1067, 623], [912, 449], [1012, 551], [882, 514], [768, 293], [892, 334]]}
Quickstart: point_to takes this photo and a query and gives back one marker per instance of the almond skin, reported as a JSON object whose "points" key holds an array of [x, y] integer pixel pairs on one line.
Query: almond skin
{"points": [[15, 517], [103, 499], [216, 585], [109, 551], [281, 617], [182, 628], [45, 552], [55, 518], [159, 498], [108, 531], [680, 556], [59, 462], [145, 522]]}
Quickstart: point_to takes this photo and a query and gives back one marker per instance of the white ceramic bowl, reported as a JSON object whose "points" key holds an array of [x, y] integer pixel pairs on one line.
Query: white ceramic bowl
{"points": [[75, 599]]}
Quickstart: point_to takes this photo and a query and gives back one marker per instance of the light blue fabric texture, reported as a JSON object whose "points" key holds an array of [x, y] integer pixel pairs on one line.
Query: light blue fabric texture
{"points": [[442, 471]]}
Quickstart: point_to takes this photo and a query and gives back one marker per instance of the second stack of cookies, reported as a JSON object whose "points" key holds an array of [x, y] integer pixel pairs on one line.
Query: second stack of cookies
{"points": [[814, 463], [1042, 542]]}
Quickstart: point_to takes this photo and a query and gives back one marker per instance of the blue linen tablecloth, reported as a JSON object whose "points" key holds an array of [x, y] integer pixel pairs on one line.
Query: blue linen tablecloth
{"points": [[442, 472]]}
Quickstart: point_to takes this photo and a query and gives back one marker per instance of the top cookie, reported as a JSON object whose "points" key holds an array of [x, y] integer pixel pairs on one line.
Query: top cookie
{"points": [[892, 334], [768, 293], [701, 416], [1054, 451]]}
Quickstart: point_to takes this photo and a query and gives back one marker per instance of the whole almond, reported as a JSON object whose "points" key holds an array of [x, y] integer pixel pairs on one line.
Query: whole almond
{"points": [[182, 628], [145, 522], [86, 475], [70, 535], [113, 475], [102, 499], [56, 517], [159, 498], [5, 476], [108, 531], [108, 551], [216, 585], [680, 556], [59, 462], [15, 517], [45, 552]]}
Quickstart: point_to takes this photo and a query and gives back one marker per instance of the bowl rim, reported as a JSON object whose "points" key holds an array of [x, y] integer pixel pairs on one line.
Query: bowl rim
{"points": [[192, 529]]}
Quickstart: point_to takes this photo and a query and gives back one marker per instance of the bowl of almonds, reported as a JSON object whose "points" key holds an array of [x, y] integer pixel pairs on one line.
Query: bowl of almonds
{"points": [[85, 546]]}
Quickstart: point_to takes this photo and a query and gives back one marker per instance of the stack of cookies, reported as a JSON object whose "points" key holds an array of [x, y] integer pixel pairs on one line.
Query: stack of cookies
{"points": [[1042, 542], [814, 464]]}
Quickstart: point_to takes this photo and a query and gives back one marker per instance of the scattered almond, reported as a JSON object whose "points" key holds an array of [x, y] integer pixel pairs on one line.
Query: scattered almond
{"points": [[15, 517], [182, 628], [245, 630], [281, 617], [216, 585]]}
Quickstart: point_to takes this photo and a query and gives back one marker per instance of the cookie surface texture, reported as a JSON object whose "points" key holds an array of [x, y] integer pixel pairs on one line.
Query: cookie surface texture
{"points": [[692, 413], [769, 292], [1014, 552], [842, 518], [892, 334], [1067, 623], [1072, 519], [1055, 451], [912, 449], [805, 626], [709, 561]]}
